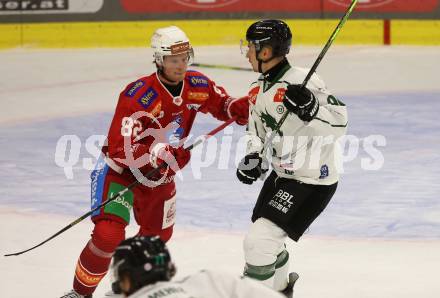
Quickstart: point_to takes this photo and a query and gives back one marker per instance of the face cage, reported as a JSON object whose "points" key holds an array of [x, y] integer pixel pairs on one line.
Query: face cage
{"points": [[158, 57]]}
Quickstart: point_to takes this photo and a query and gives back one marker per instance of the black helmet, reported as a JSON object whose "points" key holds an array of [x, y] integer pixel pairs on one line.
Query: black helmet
{"points": [[144, 260], [274, 33]]}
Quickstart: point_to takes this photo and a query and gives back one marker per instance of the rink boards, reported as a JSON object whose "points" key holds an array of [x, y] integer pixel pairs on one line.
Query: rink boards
{"points": [[213, 32]]}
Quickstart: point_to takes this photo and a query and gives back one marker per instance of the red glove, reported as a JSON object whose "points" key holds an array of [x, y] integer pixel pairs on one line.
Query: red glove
{"points": [[239, 107], [175, 158]]}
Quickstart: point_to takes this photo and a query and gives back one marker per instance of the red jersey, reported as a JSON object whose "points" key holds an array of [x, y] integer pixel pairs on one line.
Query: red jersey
{"points": [[147, 113]]}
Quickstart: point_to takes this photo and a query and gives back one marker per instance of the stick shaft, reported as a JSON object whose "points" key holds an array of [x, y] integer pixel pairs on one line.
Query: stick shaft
{"points": [[329, 42], [313, 69]]}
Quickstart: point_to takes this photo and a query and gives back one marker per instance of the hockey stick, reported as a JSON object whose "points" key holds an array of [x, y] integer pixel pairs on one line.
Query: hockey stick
{"points": [[130, 186], [219, 66], [313, 69]]}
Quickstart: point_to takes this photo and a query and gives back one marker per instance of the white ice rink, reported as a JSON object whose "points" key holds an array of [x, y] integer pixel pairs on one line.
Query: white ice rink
{"points": [[379, 237]]}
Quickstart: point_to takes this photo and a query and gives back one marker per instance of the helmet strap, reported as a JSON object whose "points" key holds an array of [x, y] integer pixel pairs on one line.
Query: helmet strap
{"points": [[261, 61]]}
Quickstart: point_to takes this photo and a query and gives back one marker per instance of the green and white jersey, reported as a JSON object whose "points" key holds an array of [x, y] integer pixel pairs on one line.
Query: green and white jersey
{"points": [[308, 152], [208, 284]]}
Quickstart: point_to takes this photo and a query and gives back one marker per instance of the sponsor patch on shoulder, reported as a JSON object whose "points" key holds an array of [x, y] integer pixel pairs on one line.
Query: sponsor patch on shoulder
{"points": [[148, 97], [134, 88], [198, 81]]}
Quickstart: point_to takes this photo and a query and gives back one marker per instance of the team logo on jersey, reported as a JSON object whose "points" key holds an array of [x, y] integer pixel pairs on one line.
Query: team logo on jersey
{"points": [[133, 89], [253, 94], [177, 100], [280, 109], [198, 81], [324, 172], [270, 122], [147, 99], [279, 95], [198, 96], [193, 106], [362, 4]]}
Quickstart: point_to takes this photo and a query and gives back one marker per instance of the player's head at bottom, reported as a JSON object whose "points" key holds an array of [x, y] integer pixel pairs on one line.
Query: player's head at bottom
{"points": [[140, 261]]}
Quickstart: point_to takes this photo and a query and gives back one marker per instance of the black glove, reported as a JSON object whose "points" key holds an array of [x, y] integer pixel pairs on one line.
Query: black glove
{"points": [[301, 101], [250, 168]]}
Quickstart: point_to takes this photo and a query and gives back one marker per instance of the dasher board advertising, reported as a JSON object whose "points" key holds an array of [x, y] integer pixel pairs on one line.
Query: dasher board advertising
{"points": [[312, 6], [23, 7]]}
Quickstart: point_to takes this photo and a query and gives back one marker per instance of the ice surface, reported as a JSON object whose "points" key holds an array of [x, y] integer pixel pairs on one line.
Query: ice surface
{"points": [[379, 237]]}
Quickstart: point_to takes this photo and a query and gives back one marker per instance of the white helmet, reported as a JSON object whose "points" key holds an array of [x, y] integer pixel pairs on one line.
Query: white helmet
{"points": [[170, 41]]}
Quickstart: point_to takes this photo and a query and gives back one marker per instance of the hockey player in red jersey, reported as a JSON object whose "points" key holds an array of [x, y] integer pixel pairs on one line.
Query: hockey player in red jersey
{"points": [[152, 114]]}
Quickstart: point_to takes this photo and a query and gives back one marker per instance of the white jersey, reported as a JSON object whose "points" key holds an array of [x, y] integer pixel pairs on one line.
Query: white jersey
{"points": [[307, 152], [208, 284]]}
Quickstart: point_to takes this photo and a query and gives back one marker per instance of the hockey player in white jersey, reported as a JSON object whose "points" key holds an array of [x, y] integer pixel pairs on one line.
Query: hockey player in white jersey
{"points": [[304, 153], [142, 268]]}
